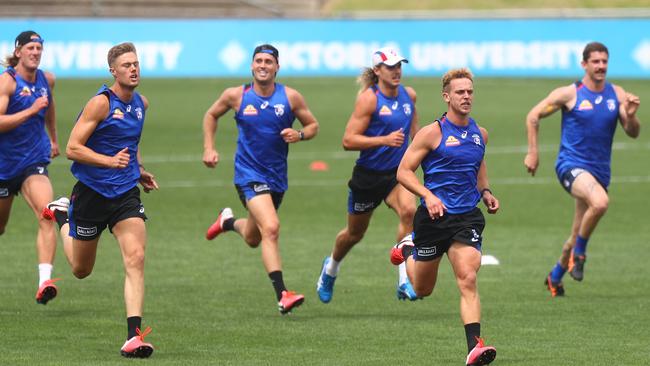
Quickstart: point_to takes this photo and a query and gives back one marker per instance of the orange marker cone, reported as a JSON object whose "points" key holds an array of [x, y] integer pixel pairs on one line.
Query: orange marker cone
{"points": [[319, 166]]}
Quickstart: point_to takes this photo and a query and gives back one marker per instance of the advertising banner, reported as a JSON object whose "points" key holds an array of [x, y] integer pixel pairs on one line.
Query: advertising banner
{"points": [[222, 48]]}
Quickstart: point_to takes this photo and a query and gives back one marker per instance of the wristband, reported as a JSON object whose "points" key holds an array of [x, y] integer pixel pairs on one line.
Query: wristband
{"points": [[485, 190], [301, 135]]}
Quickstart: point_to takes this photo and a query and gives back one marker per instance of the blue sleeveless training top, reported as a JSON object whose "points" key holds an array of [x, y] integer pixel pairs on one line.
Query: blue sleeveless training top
{"points": [[451, 170], [27, 144], [588, 131], [391, 114], [121, 128], [261, 154]]}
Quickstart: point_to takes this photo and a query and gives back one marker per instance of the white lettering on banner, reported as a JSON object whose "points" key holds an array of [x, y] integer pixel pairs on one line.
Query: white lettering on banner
{"points": [[232, 55], [302, 56], [499, 55], [86, 56], [168, 51], [6, 48], [641, 54]]}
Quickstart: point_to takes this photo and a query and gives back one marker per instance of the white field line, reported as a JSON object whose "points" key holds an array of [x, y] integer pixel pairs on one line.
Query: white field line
{"points": [[220, 183], [342, 155], [351, 155]]}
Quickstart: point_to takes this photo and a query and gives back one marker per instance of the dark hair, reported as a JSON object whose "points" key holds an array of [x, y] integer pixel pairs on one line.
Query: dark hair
{"points": [[593, 47], [267, 48], [119, 50]]}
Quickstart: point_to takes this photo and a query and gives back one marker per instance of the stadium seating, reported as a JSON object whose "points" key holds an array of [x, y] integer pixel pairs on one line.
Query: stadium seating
{"points": [[163, 8]]}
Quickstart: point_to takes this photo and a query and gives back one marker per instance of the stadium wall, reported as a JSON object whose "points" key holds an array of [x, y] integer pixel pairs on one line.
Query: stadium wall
{"points": [[222, 48]]}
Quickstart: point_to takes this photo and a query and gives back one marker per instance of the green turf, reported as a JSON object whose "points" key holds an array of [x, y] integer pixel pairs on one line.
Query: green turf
{"points": [[212, 303]]}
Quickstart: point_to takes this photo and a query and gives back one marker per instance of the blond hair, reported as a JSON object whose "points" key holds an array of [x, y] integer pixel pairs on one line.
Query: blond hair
{"points": [[366, 79], [462, 73], [119, 50], [11, 60]]}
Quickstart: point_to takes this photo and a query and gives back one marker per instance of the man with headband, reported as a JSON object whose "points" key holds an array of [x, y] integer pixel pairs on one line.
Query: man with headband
{"points": [[264, 112], [26, 112]]}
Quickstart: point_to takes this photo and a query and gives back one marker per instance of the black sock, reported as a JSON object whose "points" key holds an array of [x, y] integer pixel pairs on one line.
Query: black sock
{"points": [[278, 283], [406, 251], [229, 224], [61, 218], [133, 322], [472, 331]]}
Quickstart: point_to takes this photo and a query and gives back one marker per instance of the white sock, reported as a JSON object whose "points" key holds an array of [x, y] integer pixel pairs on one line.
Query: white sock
{"points": [[44, 272], [332, 267], [402, 273]]}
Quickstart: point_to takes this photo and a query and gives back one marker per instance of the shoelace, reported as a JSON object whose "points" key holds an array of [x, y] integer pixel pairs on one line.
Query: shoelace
{"points": [[50, 281], [480, 341], [289, 293], [141, 335]]}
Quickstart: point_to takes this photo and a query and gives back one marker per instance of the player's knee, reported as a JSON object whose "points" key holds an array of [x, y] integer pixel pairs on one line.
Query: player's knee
{"points": [[252, 241], [354, 237], [423, 291], [407, 214], [45, 224], [81, 272], [600, 207], [135, 258], [271, 231], [467, 281]]}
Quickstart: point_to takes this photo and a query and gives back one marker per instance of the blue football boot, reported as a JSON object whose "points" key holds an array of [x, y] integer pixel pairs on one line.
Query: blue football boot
{"points": [[325, 284], [405, 291]]}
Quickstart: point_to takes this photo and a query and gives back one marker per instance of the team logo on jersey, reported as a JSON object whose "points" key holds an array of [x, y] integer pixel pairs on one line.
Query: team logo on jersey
{"points": [[25, 91], [279, 109], [452, 141], [477, 139], [407, 109], [385, 111], [611, 105], [585, 105], [43, 92], [138, 113], [395, 105], [598, 99], [118, 114], [250, 110], [264, 104]]}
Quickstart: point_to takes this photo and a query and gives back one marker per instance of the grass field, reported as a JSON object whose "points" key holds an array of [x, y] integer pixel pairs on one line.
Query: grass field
{"points": [[212, 303]]}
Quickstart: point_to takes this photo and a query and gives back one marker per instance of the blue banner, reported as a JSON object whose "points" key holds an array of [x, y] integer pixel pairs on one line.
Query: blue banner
{"points": [[222, 48]]}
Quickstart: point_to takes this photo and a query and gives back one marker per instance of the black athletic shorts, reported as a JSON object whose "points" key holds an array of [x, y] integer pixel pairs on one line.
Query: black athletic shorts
{"points": [[12, 186], [252, 189], [90, 212], [432, 238], [368, 188]]}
